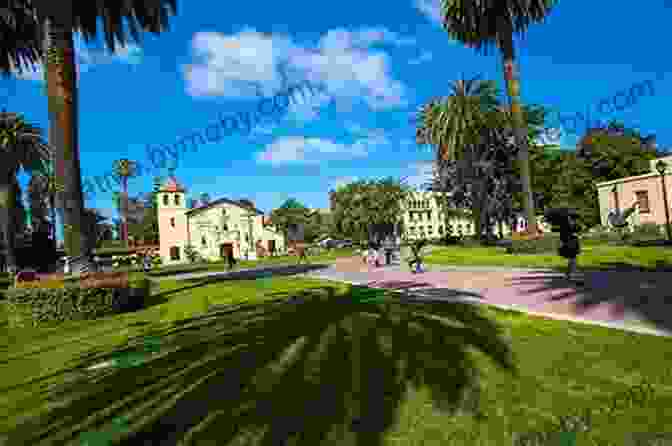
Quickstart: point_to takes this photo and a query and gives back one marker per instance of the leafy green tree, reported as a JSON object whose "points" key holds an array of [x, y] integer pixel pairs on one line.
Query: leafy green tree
{"points": [[291, 215], [191, 253], [21, 148], [368, 210], [481, 24], [603, 154]]}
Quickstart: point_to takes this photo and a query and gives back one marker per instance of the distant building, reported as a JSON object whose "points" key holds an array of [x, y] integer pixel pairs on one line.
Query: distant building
{"points": [[423, 217], [643, 190], [212, 229]]}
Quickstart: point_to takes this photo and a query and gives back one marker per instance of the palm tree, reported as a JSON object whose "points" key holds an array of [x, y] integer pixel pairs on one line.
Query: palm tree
{"points": [[461, 126], [21, 147], [50, 27], [125, 169], [480, 24]]}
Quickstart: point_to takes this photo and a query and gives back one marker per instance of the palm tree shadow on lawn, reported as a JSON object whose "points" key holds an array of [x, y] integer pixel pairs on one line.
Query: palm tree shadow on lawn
{"points": [[638, 291], [282, 271], [325, 369]]}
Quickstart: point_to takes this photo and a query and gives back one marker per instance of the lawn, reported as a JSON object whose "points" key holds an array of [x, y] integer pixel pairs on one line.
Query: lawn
{"points": [[593, 256], [327, 368]]}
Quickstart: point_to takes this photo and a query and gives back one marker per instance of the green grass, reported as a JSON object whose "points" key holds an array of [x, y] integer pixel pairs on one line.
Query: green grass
{"points": [[272, 367], [593, 256]]}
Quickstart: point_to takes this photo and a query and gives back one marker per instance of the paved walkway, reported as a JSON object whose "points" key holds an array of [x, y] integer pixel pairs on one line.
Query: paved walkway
{"points": [[633, 301]]}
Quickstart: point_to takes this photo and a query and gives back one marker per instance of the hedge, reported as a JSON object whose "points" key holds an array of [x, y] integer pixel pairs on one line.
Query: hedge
{"points": [[36, 306], [547, 243]]}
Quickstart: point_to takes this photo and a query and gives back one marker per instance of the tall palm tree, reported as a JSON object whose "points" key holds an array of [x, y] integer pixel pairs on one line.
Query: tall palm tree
{"points": [[125, 169], [480, 24], [21, 147], [458, 126], [50, 33]]}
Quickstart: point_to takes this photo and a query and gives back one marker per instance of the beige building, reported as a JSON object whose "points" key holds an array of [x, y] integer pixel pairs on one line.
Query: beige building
{"points": [[643, 190], [423, 217], [212, 229]]}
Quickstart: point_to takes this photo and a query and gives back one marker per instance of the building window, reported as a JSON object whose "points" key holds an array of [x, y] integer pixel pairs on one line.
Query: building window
{"points": [[429, 215], [177, 200], [204, 242], [430, 230], [225, 227], [174, 253], [643, 201], [172, 222], [440, 229], [165, 200]]}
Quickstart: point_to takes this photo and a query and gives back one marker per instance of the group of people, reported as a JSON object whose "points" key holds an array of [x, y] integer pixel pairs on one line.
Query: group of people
{"points": [[376, 254]]}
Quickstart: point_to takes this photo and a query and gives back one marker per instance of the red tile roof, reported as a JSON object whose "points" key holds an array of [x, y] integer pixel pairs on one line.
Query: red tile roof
{"points": [[172, 186]]}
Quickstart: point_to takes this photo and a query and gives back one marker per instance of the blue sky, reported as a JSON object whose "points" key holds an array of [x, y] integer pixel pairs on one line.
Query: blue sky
{"points": [[376, 62]]}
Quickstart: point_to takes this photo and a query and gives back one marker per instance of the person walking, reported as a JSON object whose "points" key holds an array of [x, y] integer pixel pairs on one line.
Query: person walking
{"points": [[147, 262], [569, 245], [301, 250], [230, 259]]}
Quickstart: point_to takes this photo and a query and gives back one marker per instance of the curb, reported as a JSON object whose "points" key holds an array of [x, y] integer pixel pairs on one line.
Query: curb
{"points": [[517, 308]]}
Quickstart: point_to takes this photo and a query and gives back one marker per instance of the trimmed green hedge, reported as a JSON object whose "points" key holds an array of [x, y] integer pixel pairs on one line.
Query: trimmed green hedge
{"points": [[40, 306], [548, 243]]}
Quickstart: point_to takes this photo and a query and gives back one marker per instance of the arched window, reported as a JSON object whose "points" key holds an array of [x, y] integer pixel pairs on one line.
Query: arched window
{"points": [[203, 241], [172, 222], [177, 199], [174, 253], [165, 200]]}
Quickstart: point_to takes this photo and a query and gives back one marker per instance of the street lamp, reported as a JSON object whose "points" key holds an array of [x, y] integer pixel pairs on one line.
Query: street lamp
{"points": [[661, 167]]}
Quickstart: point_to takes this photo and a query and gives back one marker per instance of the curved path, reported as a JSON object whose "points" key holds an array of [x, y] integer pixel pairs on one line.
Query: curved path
{"points": [[627, 300], [633, 301]]}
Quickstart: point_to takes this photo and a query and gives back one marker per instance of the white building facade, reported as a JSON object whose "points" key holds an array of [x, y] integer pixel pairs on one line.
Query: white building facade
{"points": [[423, 217], [213, 229]]}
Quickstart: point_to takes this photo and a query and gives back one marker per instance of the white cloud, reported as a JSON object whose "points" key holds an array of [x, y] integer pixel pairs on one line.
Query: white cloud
{"points": [[250, 63], [431, 9], [301, 150], [425, 56]]}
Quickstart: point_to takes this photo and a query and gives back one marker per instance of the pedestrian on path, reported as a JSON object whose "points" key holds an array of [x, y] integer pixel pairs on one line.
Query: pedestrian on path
{"points": [[564, 221], [301, 250], [230, 259]]}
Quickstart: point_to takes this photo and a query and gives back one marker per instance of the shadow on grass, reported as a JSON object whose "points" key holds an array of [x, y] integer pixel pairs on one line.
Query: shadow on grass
{"points": [[644, 293], [277, 271], [321, 368]]}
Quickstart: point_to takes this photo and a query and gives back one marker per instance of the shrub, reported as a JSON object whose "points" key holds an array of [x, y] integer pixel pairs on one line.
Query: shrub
{"points": [[549, 243], [647, 231]]}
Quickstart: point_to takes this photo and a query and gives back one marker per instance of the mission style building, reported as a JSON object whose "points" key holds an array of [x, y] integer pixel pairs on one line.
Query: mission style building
{"points": [[213, 229]]}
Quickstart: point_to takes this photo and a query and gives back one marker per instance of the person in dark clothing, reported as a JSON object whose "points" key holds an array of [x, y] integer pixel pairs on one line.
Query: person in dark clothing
{"points": [[230, 260], [569, 245], [301, 250]]}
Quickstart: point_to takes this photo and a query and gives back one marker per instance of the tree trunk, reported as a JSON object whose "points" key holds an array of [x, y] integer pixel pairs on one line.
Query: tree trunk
{"points": [[6, 217], [61, 83], [519, 128]]}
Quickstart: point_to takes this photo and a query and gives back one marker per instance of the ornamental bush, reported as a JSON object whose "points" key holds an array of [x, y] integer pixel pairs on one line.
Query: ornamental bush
{"points": [[548, 243], [34, 306]]}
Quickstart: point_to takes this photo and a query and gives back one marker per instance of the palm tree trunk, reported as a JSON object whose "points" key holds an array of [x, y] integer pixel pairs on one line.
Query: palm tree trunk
{"points": [[6, 217], [519, 130], [63, 113], [124, 204]]}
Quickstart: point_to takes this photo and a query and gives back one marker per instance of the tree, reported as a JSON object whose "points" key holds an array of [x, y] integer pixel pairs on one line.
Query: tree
{"points": [[368, 210], [473, 138], [481, 24], [191, 253], [291, 216], [147, 229], [602, 155], [96, 226], [38, 201], [123, 170], [30, 22], [21, 147]]}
